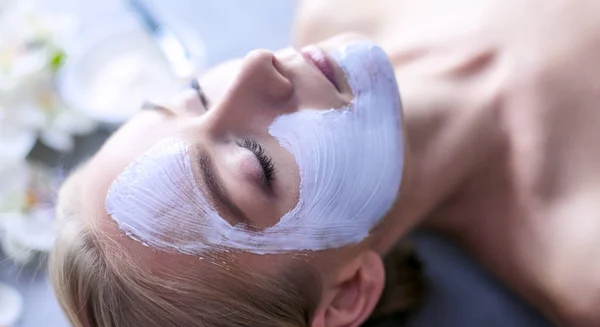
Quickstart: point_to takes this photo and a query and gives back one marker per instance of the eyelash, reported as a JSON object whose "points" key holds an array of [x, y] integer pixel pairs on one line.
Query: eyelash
{"points": [[265, 161], [196, 86]]}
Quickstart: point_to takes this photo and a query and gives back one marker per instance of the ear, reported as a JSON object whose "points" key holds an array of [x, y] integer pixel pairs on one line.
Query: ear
{"points": [[354, 293]]}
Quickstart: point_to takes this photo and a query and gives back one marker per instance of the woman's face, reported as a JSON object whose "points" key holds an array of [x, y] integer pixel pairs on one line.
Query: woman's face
{"points": [[244, 172]]}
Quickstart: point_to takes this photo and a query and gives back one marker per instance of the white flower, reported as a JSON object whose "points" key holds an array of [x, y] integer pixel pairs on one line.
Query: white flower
{"points": [[31, 109], [10, 241], [13, 189], [15, 144], [29, 57], [26, 210], [26, 235], [59, 129], [13, 200], [11, 307]]}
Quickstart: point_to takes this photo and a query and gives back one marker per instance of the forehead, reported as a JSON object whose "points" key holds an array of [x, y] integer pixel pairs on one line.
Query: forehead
{"points": [[122, 148]]}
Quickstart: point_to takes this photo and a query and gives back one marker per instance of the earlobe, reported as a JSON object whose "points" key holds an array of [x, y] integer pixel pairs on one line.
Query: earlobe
{"points": [[352, 300]]}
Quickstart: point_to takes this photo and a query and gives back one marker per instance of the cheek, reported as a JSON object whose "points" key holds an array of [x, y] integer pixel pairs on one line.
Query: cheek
{"points": [[288, 176], [313, 95]]}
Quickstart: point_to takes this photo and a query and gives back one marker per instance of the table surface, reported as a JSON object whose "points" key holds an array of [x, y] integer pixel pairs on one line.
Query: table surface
{"points": [[460, 292]]}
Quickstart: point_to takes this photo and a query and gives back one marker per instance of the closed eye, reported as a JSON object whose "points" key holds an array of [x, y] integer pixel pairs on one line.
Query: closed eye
{"points": [[264, 160]]}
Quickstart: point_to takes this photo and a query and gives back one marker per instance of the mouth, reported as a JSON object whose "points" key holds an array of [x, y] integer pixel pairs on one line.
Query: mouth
{"points": [[323, 62]]}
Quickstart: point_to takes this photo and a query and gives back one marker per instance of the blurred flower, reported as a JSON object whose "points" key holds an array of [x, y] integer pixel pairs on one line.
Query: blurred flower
{"points": [[26, 210], [15, 144], [11, 307], [14, 186], [31, 109], [30, 56], [26, 235]]}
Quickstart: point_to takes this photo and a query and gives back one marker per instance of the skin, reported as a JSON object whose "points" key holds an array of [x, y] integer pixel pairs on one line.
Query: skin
{"points": [[244, 97], [509, 90], [493, 159]]}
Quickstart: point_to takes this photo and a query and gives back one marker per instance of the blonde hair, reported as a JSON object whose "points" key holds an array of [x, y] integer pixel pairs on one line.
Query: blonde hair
{"points": [[99, 284]]}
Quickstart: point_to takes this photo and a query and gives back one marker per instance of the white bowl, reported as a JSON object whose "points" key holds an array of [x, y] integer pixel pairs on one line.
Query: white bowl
{"points": [[114, 72]]}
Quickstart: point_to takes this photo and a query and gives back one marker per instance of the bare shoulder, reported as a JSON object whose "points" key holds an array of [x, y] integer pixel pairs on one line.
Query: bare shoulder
{"points": [[532, 214]]}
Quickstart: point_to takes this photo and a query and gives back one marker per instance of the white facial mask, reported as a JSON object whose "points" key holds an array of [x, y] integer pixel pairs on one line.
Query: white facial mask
{"points": [[350, 162]]}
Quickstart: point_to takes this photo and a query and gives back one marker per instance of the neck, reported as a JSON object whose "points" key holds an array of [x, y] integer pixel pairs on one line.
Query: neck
{"points": [[452, 129]]}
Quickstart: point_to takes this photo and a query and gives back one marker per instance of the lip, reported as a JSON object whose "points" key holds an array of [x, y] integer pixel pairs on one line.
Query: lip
{"points": [[323, 62]]}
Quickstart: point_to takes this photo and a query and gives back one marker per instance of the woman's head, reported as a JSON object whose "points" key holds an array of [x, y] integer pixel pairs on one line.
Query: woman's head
{"points": [[179, 215], [103, 281]]}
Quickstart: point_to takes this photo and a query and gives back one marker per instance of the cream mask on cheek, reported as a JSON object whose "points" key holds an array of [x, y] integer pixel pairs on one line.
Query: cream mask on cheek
{"points": [[350, 161]]}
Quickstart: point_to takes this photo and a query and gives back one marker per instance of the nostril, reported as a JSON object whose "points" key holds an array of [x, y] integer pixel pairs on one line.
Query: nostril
{"points": [[264, 76], [277, 65], [283, 88], [267, 74], [282, 74]]}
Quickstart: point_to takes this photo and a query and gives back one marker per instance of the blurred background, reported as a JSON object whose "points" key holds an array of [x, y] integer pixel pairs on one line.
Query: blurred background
{"points": [[72, 70]]}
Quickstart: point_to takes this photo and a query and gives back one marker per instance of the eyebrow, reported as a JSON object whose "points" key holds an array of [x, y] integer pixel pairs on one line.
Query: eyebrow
{"points": [[216, 190]]}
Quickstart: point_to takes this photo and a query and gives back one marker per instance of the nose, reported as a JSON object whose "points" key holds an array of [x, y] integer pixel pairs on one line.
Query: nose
{"points": [[259, 92], [263, 76]]}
